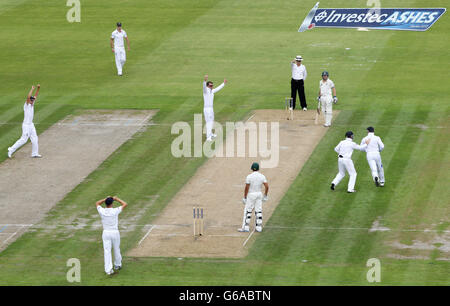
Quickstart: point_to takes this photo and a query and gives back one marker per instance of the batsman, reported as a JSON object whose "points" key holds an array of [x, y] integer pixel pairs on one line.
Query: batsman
{"points": [[253, 198], [327, 96]]}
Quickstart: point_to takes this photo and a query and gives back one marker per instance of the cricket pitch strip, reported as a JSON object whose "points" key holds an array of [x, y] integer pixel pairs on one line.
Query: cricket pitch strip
{"points": [[72, 148], [218, 187]]}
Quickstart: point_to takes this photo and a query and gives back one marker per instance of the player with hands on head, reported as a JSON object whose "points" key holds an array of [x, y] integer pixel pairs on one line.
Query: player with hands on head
{"points": [[111, 234]]}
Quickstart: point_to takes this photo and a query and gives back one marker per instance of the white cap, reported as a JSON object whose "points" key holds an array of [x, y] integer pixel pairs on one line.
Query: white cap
{"points": [[298, 58]]}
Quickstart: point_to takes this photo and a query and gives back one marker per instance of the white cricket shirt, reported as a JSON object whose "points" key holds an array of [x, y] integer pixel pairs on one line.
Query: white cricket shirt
{"points": [[298, 72], [28, 113], [208, 95], [326, 87], [110, 217], [118, 38], [256, 180], [346, 147], [375, 144]]}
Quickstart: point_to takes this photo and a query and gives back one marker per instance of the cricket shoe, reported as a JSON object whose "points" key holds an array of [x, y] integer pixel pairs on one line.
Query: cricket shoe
{"points": [[376, 181], [326, 125], [305, 109], [382, 184], [110, 272], [258, 228], [117, 267], [351, 191], [36, 156], [10, 153], [245, 229], [332, 186]]}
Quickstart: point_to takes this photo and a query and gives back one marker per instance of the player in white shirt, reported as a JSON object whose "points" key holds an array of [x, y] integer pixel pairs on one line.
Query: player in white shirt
{"points": [[118, 47], [327, 96], [111, 235], [373, 156], [345, 163], [299, 75], [28, 129], [208, 107], [253, 198]]}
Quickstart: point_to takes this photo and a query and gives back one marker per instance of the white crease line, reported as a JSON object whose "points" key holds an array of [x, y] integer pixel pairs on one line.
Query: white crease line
{"points": [[4, 242], [248, 238], [250, 118], [148, 232]]}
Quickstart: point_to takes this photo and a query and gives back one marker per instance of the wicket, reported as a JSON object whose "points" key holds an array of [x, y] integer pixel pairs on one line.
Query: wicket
{"points": [[198, 221], [289, 104]]}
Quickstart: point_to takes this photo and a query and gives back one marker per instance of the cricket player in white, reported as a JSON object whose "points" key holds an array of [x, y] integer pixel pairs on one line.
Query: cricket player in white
{"points": [[345, 163], [111, 235], [118, 47], [28, 129], [208, 107], [253, 198], [373, 156], [327, 96]]}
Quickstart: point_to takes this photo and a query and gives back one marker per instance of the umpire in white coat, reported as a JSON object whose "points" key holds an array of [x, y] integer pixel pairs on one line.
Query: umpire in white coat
{"points": [[345, 163], [373, 156], [111, 235]]}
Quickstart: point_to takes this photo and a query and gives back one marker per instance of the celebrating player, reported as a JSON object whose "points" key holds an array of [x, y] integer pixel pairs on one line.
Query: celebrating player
{"points": [[373, 156], [208, 108], [118, 48], [28, 129], [345, 163]]}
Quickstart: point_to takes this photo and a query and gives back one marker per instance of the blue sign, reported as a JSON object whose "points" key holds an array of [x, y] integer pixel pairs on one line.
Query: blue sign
{"points": [[410, 19]]}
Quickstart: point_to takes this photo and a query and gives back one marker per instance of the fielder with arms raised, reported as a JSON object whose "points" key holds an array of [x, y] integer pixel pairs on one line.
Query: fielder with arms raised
{"points": [[373, 156], [111, 235], [253, 198], [28, 129], [345, 163], [208, 107], [325, 98]]}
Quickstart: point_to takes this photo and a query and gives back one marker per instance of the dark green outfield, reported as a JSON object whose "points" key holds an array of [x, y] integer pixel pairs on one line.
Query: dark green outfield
{"points": [[395, 81]]}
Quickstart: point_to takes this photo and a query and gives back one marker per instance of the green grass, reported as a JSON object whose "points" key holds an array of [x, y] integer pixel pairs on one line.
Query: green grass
{"points": [[392, 80]]}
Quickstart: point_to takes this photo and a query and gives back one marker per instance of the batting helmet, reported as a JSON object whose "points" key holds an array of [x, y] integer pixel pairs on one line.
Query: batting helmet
{"points": [[255, 167], [325, 73], [349, 134]]}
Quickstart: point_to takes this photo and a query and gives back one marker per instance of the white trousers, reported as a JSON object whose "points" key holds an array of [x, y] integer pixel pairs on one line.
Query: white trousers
{"points": [[111, 239], [121, 58], [254, 201], [28, 131], [327, 108], [208, 112], [346, 165], [376, 166]]}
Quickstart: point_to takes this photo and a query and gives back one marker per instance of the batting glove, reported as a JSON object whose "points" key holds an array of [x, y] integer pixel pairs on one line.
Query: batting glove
{"points": [[244, 200], [335, 100], [265, 198]]}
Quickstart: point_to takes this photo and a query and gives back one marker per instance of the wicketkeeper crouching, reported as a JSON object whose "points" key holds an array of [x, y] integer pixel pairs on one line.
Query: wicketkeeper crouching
{"points": [[253, 198]]}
